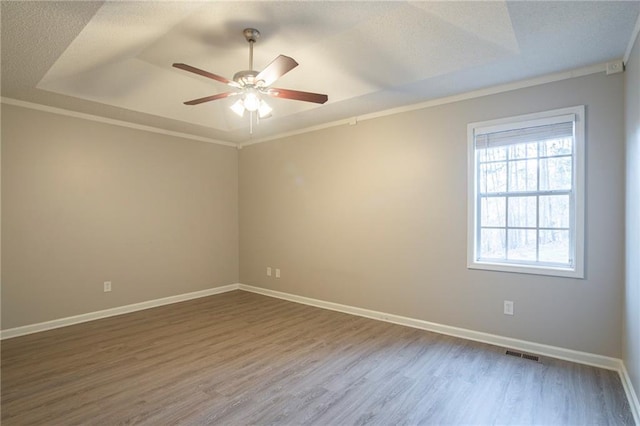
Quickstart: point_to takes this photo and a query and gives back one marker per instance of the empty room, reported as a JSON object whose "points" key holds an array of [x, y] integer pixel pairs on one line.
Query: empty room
{"points": [[320, 213]]}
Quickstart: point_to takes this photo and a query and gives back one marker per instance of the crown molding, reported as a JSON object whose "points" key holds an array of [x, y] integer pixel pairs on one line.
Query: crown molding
{"points": [[120, 123], [632, 41], [522, 84], [536, 81]]}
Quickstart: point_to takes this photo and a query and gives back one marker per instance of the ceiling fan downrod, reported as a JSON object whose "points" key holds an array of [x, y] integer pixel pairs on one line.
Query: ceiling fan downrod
{"points": [[251, 34]]}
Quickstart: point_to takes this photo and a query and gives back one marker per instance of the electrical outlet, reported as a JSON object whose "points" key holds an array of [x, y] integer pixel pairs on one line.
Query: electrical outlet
{"points": [[107, 286], [268, 271], [508, 307], [277, 272]]}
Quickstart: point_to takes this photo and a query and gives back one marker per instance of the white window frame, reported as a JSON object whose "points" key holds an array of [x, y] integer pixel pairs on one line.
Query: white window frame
{"points": [[576, 270]]}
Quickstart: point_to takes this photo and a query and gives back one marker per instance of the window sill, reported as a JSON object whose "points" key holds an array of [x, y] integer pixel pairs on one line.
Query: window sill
{"points": [[525, 269]]}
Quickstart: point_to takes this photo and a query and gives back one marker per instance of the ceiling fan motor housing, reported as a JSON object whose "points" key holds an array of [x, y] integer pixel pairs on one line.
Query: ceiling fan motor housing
{"points": [[246, 77]]}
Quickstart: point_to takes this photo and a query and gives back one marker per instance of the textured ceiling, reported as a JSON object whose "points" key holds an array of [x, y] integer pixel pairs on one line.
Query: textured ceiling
{"points": [[113, 59]]}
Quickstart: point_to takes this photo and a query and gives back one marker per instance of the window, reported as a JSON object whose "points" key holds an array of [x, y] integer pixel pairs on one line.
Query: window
{"points": [[526, 186]]}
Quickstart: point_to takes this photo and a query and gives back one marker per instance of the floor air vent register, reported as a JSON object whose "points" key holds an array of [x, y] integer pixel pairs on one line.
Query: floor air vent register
{"points": [[521, 355]]}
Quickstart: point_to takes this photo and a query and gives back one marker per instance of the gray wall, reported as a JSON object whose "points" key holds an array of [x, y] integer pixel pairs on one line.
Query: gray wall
{"points": [[85, 202], [374, 216], [631, 338]]}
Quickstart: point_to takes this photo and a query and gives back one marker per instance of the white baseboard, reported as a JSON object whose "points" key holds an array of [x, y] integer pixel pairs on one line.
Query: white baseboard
{"points": [[632, 396], [63, 322], [493, 339]]}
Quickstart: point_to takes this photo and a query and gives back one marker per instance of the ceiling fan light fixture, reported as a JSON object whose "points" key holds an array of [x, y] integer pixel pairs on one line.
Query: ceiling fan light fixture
{"points": [[253, 84], [251, 100], [264, 110], [238, 107]]}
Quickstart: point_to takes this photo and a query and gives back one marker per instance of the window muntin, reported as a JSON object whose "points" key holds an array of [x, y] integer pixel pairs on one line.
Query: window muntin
{"points": [[525, 193]]}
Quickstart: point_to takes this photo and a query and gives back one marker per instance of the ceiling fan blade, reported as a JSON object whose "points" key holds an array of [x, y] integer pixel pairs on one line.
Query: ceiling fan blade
{"points": [[297, 95], [276, 69], [211, 98], [207, 74]]}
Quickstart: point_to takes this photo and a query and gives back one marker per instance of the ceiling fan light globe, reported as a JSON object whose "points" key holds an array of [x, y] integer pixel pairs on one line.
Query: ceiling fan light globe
{"points": [[251, 101], [238, 107], [265, 110]]}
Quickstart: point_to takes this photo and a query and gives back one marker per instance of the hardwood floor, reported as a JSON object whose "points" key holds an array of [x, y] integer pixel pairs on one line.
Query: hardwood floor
{"points": [[241, 358]]}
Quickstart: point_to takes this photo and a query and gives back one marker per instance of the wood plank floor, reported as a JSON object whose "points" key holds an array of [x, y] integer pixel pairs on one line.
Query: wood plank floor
{"points": [[240, 358]]}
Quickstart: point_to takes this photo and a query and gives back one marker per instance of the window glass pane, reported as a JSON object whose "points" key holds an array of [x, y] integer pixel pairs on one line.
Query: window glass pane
{"points": [[554, 246], [556, 147], [555, 173], [523, 150], [492, 154], [523, 175], [554, 211], [493, 177], [522, 245], [492, 211], [492, 244], [522, 212]]}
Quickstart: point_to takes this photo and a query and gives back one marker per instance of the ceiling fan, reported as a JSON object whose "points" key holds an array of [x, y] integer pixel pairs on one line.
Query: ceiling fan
{"points": [[253, 86]]}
